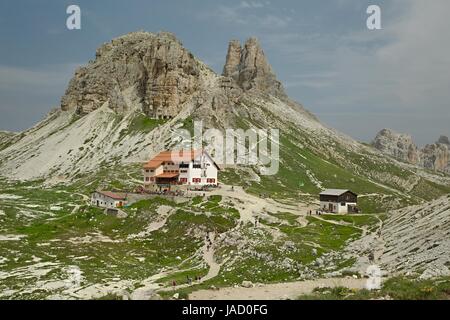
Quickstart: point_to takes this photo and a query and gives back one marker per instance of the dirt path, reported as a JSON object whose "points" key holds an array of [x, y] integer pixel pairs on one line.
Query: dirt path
{"points": [[277, 291], [250, 206], [208, 256], [134, 179], [380, 246], [164, 212]]}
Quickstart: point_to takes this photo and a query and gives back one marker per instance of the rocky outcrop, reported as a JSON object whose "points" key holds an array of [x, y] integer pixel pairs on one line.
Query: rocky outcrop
{"points": [[399, 146], [233, 58], [249, 68], [412, 240], [151, 71], [157, 75], [434, 156], [6, 138]]}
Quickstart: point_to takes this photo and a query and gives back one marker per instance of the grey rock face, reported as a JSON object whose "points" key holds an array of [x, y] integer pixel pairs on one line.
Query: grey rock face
{"points": [[399, 146], [233, 58], [412, 240], [157, 75], [434, 156], [249, 68], [154, 71]]}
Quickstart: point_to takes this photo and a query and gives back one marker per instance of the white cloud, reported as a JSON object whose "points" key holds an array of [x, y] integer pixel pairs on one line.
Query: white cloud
{"points": [[375, 77], [406, 64], [254, 14]]}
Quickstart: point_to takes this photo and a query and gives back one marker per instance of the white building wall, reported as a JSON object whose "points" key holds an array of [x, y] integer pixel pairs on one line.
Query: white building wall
{"points": [[151, 173], [207, 171], [337, 207], [104, 201]]}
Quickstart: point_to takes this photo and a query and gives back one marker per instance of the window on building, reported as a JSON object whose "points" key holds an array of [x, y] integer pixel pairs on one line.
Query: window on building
{"points": [[147, 178]]}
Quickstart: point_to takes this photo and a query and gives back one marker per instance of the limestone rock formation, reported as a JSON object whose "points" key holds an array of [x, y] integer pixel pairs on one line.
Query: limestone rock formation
{"points": [[434, 156], [233, 58], [6, 138], [152, 71], [399, 146], [250, 69], [411, 240]]}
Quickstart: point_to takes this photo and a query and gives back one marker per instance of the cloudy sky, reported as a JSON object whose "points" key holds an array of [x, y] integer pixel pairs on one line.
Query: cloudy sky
{"points": [[356, 80]]}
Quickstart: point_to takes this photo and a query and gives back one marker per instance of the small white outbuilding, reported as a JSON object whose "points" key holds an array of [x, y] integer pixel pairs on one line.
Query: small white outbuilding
{"points": [[338, 201], [108, 199]]}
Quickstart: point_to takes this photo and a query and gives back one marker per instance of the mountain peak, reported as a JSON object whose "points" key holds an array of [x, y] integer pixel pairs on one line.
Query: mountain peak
{"points": [[434, 156], [148, 71], [249, 67]]}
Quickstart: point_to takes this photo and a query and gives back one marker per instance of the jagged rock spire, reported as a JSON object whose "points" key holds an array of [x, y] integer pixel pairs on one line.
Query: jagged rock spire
{"points": [[249, 67], [233, 58]]}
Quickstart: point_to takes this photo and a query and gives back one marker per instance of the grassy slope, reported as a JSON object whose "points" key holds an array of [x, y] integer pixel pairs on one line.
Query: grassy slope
{"points": [[54, 237], [303, 161], [395, 288]]}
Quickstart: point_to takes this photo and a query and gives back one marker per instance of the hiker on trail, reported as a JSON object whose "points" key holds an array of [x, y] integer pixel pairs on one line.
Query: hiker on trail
{"points": [[232, 188], [174, 284]]}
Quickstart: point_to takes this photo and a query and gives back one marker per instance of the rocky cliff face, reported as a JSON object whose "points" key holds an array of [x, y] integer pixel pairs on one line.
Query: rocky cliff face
{"points": [[157, 75], [150, 71], [399, 146], [248, 66], [412, 240], [434, 156]]}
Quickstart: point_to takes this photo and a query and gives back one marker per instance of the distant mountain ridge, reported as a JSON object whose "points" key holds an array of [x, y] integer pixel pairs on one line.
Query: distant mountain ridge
{"points": [[435, 156]]}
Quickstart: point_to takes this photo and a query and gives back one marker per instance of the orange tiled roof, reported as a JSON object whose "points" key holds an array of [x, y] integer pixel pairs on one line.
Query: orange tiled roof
{"points": [[167, 175], [168, 156], [114, 195]]}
